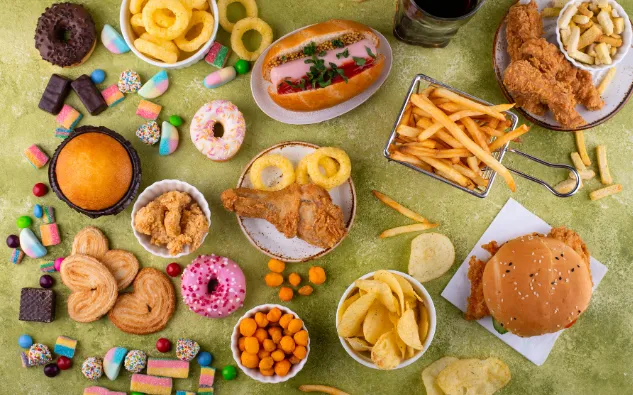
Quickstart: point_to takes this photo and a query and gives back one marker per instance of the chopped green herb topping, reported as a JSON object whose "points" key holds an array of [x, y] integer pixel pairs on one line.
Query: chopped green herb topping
{"points": [[310, 49], [343, 54], [338, 43], [370, 53], [359, 61]]}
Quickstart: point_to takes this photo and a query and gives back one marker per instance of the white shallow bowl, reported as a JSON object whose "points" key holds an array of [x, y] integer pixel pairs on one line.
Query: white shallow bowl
{"points": [[254, 373], [129, 36], [621, 52], [152, 192], [365, 360]]}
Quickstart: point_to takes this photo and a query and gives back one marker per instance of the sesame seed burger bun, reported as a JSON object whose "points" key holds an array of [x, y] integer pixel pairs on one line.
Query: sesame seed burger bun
{"points": [[535, 285]]}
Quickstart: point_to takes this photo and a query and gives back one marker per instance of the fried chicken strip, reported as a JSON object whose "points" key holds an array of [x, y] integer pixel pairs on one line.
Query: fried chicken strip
{"points": [[523, 24]]}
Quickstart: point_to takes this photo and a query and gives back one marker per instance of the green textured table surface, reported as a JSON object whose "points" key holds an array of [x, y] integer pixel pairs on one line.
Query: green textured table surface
{"points": [[595, 357]]}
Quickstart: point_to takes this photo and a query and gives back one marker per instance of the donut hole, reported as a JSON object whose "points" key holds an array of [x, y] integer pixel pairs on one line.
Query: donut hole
{"points": [[235, 12], [252, 39], [62, 32], [218, 130], [212, 285]]}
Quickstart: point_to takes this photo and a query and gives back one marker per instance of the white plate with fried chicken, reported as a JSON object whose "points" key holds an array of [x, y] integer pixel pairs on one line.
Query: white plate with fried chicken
{"points": [[298, 223], [548, 89]]}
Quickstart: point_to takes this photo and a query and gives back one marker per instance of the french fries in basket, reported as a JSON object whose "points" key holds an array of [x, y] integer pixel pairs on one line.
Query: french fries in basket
{"points": [[454, 137]]}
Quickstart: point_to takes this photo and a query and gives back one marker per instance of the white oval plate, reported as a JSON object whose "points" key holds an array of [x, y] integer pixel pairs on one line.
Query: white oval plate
{"points": [[259, 88], [615, 97], [263, 235]]}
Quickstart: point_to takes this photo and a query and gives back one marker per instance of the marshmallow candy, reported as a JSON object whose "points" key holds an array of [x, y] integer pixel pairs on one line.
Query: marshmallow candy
{"points": [[50, 234], [112, 95], [218, 55], [68, 117], [30, 244], [36, 156], [155, 86], [150, 384], [113, 361], [113, 41], [168, 368], [169, 139], [148, 110], [219, 78], [65, 346]]}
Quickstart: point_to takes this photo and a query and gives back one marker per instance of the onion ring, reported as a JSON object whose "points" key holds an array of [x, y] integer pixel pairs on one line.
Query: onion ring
{"points": [[137, 24], [163, 18], [343, 173], [136, 6], [328, 164], [244, 25], [249, 5], [155, 51], [181, 13], [197, 4], [168, 45], [272, 160], [198, 17]]}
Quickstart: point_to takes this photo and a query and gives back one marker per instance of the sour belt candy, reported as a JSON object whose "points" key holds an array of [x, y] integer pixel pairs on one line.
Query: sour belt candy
{"points": [[218, 55], [16, 256], [151, 384], [36, 156], [112, 95], [148, 110], [68, 117], [168, 368], [50, 234], [65, 346]]}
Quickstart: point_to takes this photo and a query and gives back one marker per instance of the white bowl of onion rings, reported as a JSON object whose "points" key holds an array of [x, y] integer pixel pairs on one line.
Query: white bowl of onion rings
{"points": [[129, 36]]}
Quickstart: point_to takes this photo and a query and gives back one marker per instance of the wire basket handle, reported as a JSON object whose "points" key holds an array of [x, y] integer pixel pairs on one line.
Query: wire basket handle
{"points": [[539, 181]]}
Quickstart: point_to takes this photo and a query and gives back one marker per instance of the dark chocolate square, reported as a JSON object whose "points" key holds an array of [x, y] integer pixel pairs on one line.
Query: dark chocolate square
{"points": [[55, 93], [37, 304], [89, 95]]}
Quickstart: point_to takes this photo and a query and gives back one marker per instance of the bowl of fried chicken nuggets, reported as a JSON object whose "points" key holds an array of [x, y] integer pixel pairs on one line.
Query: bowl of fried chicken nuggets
{"points": [[171, 219]]}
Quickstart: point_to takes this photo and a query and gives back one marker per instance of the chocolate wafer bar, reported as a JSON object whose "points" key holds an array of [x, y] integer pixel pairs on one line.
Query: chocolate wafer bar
{"points": [[55, 93], [37, 304], [89, 95]]}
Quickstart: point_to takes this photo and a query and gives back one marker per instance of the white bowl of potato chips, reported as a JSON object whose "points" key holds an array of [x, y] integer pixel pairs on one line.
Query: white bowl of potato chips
{"points": [[156, 44], [386, 320]]}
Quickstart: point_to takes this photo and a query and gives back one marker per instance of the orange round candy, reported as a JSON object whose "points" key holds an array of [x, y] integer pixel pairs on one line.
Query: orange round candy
{"points": [[266, 363], [286, 294], [306, 290], [287, 344], [300, 352], [269, 345], [301, 338], [261, 319], [240, 343], [249, 360], [278, 355], [251, 345], [316, 275], [274, 315], [285, 320], [276, 265], [275, 334], [274, 279], [261, 335], [282, 367], [267, 372], [295, 326], [248, 326], [294, 279]]}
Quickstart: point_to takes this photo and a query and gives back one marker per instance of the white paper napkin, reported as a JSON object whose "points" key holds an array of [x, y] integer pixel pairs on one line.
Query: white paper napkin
{"points": [[513, 221]]}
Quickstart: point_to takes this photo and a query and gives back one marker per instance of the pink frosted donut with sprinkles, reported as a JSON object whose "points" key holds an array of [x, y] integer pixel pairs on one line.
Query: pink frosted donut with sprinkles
{"points": [[213, 286], [218, 149]]}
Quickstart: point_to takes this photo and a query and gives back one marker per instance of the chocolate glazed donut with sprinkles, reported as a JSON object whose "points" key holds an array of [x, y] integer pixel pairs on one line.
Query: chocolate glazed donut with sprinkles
{"points": [[65, 34]]}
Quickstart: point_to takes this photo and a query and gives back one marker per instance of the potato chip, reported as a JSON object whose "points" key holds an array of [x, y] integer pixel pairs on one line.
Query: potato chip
{"points": [[402, 346], [358, 344], [473, 376], [391, 280], [346, 303], [429, 375], [386, 353], [350, 323], [376, 322], [432, 254], [394, 318], [410, 303], [382, 291], [407, 288], [410, 353], [408, 330], [423, 323]]}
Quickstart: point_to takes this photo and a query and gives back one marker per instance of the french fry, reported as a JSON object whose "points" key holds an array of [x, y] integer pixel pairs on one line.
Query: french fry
{"points": [[408, 131], [565, 17], [450, 153], [468, 103], [565, 35], [420, 112], [399, 208], [582, 148], [584, 174], [423, 144], [606, 191], [574, 39], [583, 57], [485, 157], [417, 151], [618, 25], [399, 156], [590, 36], [585, 26], [406, 116], [321, 388], [550, 12], [602, 87], [477, 179], [559, 3], [424, 123], [567, 185], [406, 229], [580, 19], [473, 163], [428, 91], [602, 53], [447, 169], [447, 138], [492, 123], [612, 41], [605, 22], [492, 132], [476, 134], [603, 166], [578, 163], [501, 141], [584, 10], [430, 131]]}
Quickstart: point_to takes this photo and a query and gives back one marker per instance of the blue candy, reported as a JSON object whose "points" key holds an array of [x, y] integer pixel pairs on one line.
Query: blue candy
{"points": [[205, 358], [25, 341], [37, 211], [97, 76]]}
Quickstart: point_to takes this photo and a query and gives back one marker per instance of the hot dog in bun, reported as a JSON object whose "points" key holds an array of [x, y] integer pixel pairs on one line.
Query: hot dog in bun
{"points": [[322, 65]]}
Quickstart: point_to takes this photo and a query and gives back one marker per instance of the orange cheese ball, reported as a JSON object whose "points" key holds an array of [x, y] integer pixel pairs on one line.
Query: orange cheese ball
{"points": [[285, 294], [274, 315], [240, 343], [287, 344], [285, 320], [275, 334], [251, 345], [249, 360], [282, 367], [316, 275], [300, 352], [248, 327], [294, 279], [294, 360], [306, 290], [266, 363], [274, 279], [261, 335], [301, 338], [263, 354], [267, 372], [269, 345], [287, 332], [261, 319], [276, 266], [278, 355], [295, 326]]}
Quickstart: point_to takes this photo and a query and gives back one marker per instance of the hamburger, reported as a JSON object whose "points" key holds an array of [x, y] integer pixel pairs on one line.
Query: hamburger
{"points": [[532, 285]]}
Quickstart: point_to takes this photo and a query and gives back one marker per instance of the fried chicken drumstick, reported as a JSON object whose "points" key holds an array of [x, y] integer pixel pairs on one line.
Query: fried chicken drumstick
{"points": [[304, 211]]}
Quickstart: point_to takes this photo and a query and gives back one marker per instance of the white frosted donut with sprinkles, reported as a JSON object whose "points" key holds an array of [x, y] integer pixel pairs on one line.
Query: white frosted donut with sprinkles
{"points": [[218, 149], [213, 286]]}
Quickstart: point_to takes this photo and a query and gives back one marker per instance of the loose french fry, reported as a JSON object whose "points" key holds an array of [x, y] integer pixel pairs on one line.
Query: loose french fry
{"points": [[567, 185], [475, 133], [468, 103], [408, 131], [590, 36], [485, 157], [501, 141], [606, 191], [399, 156], [321, 388], [605, 174], [477, 179], [550, 12], [602, 87], [582, 148], [578, 163], [430, 131], [448, 169], [584, 174], [399, 208], [406, 229]]}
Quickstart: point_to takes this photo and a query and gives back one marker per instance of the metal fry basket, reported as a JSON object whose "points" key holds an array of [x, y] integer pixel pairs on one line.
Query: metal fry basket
{"points": [[421, 82]]}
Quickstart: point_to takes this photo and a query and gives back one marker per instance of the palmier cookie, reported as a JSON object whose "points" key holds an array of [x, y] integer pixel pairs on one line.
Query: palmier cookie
{"points": [[122, 264], [94, 288], [149, 307], [90, 241]]}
